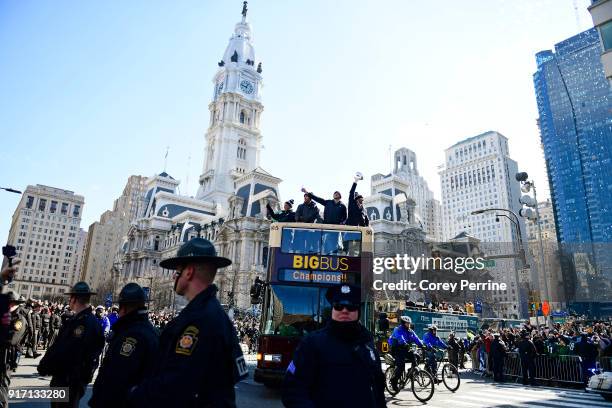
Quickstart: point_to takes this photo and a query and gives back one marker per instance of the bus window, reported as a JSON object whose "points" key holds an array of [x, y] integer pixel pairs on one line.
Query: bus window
{"points": [[300, 241], [341, 243], [294, 310]]}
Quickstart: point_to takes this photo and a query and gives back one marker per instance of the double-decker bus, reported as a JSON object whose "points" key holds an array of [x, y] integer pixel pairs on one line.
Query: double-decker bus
{"points": [[304, 260]]}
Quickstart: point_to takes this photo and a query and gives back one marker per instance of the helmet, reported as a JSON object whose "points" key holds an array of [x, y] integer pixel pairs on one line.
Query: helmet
{"points": [[99, 307], [432, 327], [406, 319]]}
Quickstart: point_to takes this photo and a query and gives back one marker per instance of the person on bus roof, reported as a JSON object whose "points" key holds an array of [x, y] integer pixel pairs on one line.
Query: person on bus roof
{"points": [[307, 211], [356, 212], [287, 215], [334, 211], [400, 341], [337, 366]]}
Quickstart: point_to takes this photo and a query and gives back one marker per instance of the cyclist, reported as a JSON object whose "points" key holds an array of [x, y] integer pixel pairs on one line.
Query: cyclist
{"points": [[400, 341], [432, 341]]}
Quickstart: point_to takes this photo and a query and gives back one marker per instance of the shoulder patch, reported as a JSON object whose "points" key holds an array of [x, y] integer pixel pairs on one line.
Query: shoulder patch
{"points": [[128, 346], [18, 325], [78, 332], [187, 341], [291, 367]]}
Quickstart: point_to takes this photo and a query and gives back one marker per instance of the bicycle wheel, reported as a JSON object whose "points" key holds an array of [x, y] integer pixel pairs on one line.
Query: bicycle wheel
{"points": [[388, 376], [450, 377], [422, 385]]}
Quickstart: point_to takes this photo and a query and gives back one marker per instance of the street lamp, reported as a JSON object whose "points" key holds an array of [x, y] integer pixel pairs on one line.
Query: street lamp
{"points": [[517, 224], [532, 213]]}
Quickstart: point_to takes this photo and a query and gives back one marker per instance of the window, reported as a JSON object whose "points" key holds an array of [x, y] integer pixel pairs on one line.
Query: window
{"points": [[30, 202], [296, 311], [64, 210], [242, 117], [338, 243], [42, 204], [605, 30], [53, 207], [76, 210]]}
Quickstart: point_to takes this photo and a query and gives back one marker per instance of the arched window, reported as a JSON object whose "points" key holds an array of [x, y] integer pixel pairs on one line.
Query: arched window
{"points": [[241, 151], [242, 117]]}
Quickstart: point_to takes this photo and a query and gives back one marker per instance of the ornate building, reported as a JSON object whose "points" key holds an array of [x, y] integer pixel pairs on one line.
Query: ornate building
{"points": [[229, 208]]}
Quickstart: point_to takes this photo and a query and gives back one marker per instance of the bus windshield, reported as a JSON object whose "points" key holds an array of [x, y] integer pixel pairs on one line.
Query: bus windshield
{"points": [[321, 242], [296, 310]]}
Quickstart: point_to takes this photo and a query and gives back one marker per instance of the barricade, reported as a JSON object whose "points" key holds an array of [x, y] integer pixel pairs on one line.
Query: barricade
{"points": [[605, 363], [561, 369], [512, 366]]}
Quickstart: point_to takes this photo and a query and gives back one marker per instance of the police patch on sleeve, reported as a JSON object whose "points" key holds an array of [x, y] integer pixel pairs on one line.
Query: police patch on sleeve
{"points": [[128, 346], [187, 341], [18, 325], [291, 367], [78, 332]]}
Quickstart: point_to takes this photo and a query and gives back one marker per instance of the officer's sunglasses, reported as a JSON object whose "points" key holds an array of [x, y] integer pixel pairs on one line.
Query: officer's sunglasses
{"points": [[339, 307]]}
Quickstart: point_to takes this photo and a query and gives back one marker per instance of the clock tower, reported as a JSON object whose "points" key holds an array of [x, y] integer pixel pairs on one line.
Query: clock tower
{"points": [[233, 139]]}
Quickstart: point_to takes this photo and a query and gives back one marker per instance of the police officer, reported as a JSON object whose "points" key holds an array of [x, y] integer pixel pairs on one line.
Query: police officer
{"points": [[498, 354], [45, 332], [199, 359], [337, 366], [400, 341], [527, 352], [30, 338], [73, 357], [131, 351], [55, 324], [16, 331]]}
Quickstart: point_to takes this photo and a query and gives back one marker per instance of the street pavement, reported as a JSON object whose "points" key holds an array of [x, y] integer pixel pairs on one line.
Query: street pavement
{"points": [[475, 391]]}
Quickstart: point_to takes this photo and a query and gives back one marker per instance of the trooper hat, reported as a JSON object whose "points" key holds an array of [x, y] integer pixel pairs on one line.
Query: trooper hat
{"points": [[80, 288], [13, 297], [344, 295], [197, 250], [132, 293], [432, 327]]}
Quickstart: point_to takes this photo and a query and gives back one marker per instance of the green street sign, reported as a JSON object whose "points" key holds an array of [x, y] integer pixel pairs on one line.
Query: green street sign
{"points": [[489, 263]]}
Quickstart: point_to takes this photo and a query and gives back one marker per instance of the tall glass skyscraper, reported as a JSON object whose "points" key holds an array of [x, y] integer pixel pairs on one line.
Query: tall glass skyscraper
{"points": [[575, 118]]}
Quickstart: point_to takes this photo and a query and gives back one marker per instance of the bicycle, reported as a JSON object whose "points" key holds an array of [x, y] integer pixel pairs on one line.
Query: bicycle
{"points": [[421, 382], [446, 372]]}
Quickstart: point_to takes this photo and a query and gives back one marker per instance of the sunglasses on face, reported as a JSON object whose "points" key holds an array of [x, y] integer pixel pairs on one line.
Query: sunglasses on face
{"points": [[339, 307]]}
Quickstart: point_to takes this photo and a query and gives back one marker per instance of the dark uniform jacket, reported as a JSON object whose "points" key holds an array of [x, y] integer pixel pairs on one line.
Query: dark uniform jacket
{"points": [[73, 357], [19, 326], [307, 212], [333, 213], [130, 357], [356, 216], [198, 361], [498, 350], [283, 216], [526, 349], [335, 368]]}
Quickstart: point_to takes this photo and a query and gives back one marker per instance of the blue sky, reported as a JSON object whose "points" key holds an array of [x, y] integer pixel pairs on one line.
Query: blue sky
{"points": [[92, 92]]}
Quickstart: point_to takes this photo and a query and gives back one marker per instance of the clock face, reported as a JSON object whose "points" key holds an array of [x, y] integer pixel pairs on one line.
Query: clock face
{"points": [[247, 87]]}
